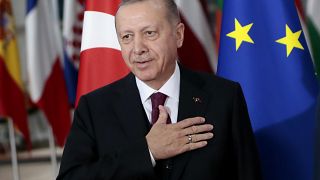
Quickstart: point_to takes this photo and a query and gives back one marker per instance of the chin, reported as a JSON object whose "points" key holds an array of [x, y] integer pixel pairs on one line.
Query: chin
{"points": [[145, 75], [145, 78]]}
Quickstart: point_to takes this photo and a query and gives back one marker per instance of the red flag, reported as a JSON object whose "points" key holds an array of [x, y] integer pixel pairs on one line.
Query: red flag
{"points": [[12, 100], [198, 51], [44, 54], [101, 62]]}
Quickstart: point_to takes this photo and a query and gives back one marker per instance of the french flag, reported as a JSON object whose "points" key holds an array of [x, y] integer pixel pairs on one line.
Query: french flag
{"points": [[47, 86], [101, 62]]}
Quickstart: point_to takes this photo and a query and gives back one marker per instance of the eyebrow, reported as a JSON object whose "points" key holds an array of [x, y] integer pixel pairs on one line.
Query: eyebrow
{"points": [[147, 27], [143, 29]]}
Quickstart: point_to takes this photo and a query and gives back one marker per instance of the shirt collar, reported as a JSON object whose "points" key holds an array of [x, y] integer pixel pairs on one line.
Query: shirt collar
{"points": [[171, 88]]}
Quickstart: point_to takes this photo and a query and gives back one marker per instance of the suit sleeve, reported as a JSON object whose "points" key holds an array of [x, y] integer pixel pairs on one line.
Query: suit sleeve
{"points": [[246, 154], [81, 159]]}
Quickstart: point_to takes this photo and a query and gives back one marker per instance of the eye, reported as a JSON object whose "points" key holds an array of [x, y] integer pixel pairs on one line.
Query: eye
{"points": [[126, 38], [151, 34]]}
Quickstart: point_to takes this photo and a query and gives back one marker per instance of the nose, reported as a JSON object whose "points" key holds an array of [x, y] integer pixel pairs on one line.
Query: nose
{"points": [[139, 46]]}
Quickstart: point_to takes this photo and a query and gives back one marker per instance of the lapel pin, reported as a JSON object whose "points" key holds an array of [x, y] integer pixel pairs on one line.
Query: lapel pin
{"points": [[197, 100]]}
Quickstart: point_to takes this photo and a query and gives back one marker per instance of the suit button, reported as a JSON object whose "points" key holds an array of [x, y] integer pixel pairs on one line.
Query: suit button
{"points": [[169, 165]]}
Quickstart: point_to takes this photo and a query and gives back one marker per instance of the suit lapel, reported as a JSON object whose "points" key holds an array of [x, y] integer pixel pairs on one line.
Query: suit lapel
{"points": [[192, 103], [130, 110]]}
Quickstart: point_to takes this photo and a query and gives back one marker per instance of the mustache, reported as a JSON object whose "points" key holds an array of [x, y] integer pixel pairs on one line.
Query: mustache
{"points": [[142, 58]]}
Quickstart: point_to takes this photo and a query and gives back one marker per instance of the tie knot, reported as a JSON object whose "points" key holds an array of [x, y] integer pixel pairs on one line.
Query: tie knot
{"points": [[158, 99]]}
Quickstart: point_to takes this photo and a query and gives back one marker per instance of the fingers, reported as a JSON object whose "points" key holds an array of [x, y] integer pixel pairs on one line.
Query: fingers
{"points": [[168, 140], [163, 115], [197, 141], [189, 122], [198, 137], [193, 146], [195, 129]]}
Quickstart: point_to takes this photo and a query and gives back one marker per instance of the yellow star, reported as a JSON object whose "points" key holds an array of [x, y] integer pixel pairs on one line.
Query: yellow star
{"points": [[240, 33], [291, 40]]}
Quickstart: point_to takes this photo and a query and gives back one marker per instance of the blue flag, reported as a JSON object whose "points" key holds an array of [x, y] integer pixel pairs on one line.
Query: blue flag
{"points": [[263, 47], [317, 148]]}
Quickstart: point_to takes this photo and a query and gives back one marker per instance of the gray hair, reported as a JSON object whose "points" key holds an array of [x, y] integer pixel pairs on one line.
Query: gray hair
{"points": [[171, 6]]}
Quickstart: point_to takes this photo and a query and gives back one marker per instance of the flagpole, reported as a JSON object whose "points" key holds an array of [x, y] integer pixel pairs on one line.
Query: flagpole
{"points": [[14, 160], [53, 155]]}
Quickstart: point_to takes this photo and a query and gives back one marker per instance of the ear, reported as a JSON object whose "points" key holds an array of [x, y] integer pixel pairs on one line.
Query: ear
{"points": [[180, 34]]}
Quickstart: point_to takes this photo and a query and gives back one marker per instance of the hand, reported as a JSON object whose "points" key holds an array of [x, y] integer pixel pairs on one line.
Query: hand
{"points": [[168, 140]]}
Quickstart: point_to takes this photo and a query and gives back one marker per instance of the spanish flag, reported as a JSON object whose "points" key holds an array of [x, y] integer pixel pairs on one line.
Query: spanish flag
{"points": [[12, 98]]}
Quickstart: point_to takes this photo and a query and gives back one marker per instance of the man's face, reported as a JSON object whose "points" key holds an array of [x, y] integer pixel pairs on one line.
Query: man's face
{"points": [[149, 41]]}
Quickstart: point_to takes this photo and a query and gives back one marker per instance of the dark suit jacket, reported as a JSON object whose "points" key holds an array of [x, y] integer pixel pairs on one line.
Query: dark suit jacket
{"points": [[107, 138]]}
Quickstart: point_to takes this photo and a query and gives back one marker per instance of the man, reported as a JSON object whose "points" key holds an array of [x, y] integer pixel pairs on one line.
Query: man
{"points": [[123, 131]]}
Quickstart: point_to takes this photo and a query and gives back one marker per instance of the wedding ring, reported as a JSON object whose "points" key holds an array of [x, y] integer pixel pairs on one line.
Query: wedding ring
{"points": [[189, 139]]}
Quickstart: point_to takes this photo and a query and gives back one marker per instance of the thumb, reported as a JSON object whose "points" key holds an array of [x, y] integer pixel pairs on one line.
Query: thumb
{"points": [[163, 115]]}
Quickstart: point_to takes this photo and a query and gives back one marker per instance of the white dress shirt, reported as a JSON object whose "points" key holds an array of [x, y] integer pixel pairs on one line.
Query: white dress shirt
{"points": [[171, 88]]}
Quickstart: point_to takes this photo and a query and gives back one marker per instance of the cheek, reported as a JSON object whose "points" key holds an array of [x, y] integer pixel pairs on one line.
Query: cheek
{"points": [[125, 55], [159, 49], [168, 51]]}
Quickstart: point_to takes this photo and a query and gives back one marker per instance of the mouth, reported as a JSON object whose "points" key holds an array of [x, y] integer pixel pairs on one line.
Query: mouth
{"points": [[143, 64], [142, 60]]}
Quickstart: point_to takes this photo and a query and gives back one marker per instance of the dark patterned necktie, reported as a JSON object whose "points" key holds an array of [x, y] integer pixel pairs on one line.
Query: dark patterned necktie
{"points": [[156, 100]]}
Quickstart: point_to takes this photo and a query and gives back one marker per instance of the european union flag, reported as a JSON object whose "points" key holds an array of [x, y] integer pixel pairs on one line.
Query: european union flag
{"points": [[317, 148], [263, 47]]}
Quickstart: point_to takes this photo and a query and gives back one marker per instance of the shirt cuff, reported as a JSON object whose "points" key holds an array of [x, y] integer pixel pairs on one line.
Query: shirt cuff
{"points": [[152, 159]]}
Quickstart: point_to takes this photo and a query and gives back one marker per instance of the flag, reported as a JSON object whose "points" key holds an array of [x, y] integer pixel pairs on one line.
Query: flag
{"points": [[101, 62], [72, 33], [312, 33], [218, 21], [302, 15], [198, 51], [313, 24], [317, 143], [47, 86], [262, 46], [12, 99]]}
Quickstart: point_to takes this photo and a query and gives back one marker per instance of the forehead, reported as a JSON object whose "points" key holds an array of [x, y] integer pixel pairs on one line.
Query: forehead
{"points": [[140, 13]]}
